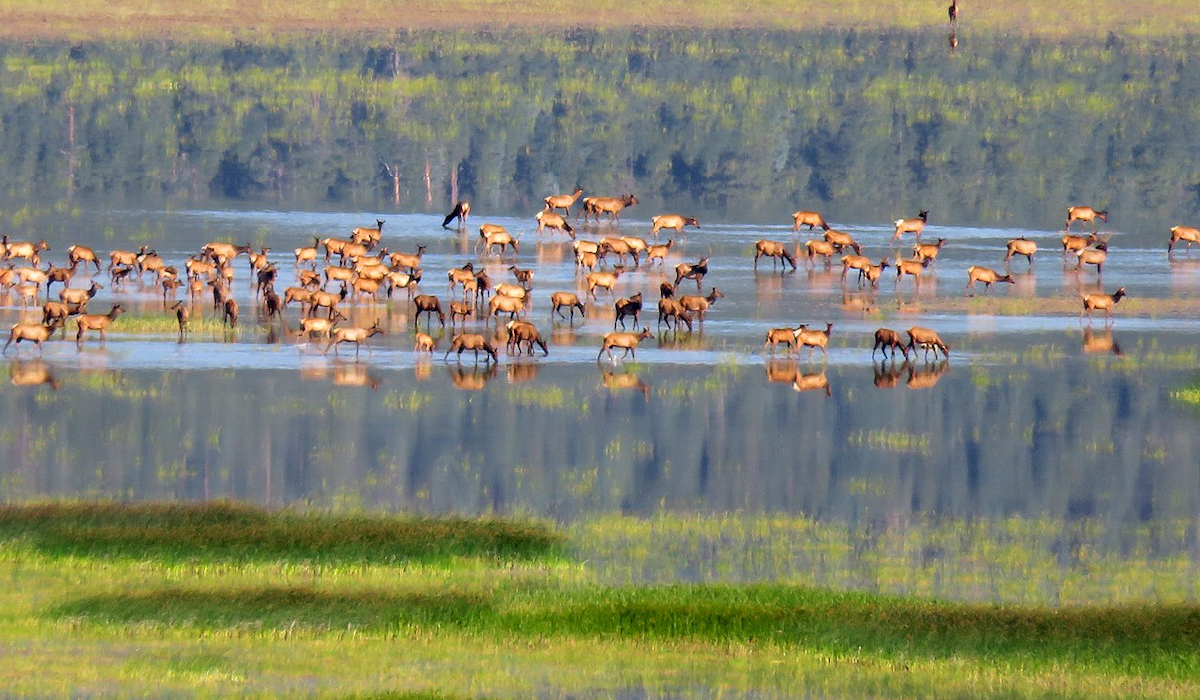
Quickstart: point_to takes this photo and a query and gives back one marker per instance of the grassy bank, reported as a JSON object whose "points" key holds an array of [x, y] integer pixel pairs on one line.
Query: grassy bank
{"points": [[228, 600], [223, 18]]}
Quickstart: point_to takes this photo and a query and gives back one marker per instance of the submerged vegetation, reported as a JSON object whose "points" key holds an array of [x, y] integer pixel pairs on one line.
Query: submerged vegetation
{"points": [[217, 616]]}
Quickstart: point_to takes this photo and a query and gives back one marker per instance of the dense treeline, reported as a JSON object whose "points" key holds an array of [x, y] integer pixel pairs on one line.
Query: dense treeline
{"points": [[747, 125]]}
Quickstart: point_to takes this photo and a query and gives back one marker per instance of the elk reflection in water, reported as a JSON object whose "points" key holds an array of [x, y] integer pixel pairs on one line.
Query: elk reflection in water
{"points": [[789, 372], [474, 377], [31, 373], [918, 376], [623, 379], [1100, 343]]}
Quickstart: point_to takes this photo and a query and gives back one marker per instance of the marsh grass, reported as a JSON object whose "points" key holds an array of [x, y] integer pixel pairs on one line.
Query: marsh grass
{"points": [[166, 324]]}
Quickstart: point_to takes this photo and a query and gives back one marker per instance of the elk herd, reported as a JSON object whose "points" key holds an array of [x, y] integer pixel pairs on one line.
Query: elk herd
{"points": [[334, 273]]}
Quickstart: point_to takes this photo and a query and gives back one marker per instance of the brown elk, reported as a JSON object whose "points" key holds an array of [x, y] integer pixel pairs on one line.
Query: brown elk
{"points": [[928, 340], [1087, 214], [97, 322], [82, 254], [181, 318], [811, 219], [408, 261], [402, 280], [79, 297], [1021, 246], [774, 250], [562, 201], [259, 261], [659, 252], [624, 340], [334, 246], [697, 306], [636, 244], [675, 221], [58, 274], [461, 211], [875, 272], [367, 235], [911, 267], [424, 343], [1093, 256], [57, 311], [607, 205], [297, 294], [786, 336], [523, 277], [327, 300], [229, 313], [428, 304], [495, 235], [217, 250], [29, 251], [474, 342], [842, 240], [500, 304], [914, 225], [554, 221], [561, 300], [604, 280], [460, 309], [820, 247], [814, 339], [620, 247], [855, 262], [307, 254], [36, 333], [1187, 234], [886, 338], [524, 332], [1102, 302], [322, 327], [672, 309], [691, 271], [627, 307], [987, 275], [366, 287], [461, 275], [1073, 244], [354, 335], [124, 258], [923, 251]]}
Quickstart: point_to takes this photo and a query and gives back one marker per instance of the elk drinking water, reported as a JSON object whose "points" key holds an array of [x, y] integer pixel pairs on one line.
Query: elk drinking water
{"points": [[774, 250]]}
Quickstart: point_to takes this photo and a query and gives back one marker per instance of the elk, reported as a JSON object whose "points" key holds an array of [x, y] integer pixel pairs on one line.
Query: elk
{"points": [[515, 291], [628, 307], [402, 280], [354, 335], [855, 262], [562, 201], [297, 294], [523, 277], [259, 261], [552, 220], [675, 221], [841, 240], [607, 205], [461, 210], [57, 311], [774, 250], [507, 305], [922, 251], [786, 336], [914, 225], [334, 246], [659, 252], [1021, 246], [669, 309], [320, 326], [495, 235], [424, 343], [987, 275], [328, 300], [910, 267], [460, 309], [307, 254], [461, 275], [814, 339], [691, 271], [603, 280], [229, 312], [811, 219], [217, 250], [1103, 302], [124, 258], [82, 254], [24, 249], [886, 338], [366, 235], [181, 317], [428, 304], [366, 287], [636, 244], [1093, 256], [408, 261], [1073, 244], [561, 300], [36, 333], [58, 274], [697, 306], [1187, 234], [524, 332], [97, 322], [626, 341], [874, 272], [474, 342], [620, 247], [820, 247], [1088, 214], [928, 339], [79, 297]]}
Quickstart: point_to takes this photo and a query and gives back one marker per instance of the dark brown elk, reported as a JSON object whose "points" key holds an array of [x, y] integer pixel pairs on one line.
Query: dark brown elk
{"points": [[914, 225], [811, 219], [524, 332], [987, 275], [928, 340], [428, 304], [659, 252], [566, 300], [774, 250], [671, 309], [673, 221], [929, 251], [628, 307], [474, 342], [697, 306], [461, 211], [1093, 256], [1021, 246], [367, 235], [886, 338], [408, 261], [562, 201], [1187, 234], [229, 313], [625, 341], [352, 334], [36, 333], [691, 271], [97, 322], [842, 240], [1087, 214], [1101, 302], [58, 274], [82, 254], [181, 318], [551, 220], [523, 277], [785, 336], [607, 205], [814, 339]]}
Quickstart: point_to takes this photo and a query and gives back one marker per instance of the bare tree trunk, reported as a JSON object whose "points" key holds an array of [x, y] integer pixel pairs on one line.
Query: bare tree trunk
{"points": [[454, 185], [70, 152], [428, 183]]}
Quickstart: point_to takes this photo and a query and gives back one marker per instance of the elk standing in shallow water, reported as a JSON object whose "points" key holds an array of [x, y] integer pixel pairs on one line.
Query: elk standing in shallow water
{"points": [[1187, 234], [562, 201], [675, 221], [35, 333], [814, 339], [1087, 214], [561, 300], [927, 339], [428, 304], [1093, 256], [774, 250], [691, 271], [987, 275], [811, 219], [697, 306], [524, 332], [98, 322], [886, 338], [352, 335], [607, 205], [915, 225], [461, 211], [626, 341], [1103, 302], [1021, 246], [786, 336], [474, 342], [551, 220], [627, 307]]}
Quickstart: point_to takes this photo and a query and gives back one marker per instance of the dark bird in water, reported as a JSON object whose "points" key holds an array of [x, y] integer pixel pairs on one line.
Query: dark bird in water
{"points": [[461, 211]]}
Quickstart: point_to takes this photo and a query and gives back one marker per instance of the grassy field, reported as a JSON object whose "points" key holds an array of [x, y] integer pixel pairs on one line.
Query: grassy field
{"points": [[226, 600], [216, 18]]}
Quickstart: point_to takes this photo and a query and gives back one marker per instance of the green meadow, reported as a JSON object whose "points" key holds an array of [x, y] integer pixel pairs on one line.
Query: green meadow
{"points": [[227, 600]]}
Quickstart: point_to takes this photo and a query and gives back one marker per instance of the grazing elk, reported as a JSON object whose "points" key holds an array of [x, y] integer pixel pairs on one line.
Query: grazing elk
{"points": [[841, 240], [524, 332], [495, 235], [672, 309], [474, 342], [461, 211], [820, 247], [561, 300], [551, 220], [811, 219], [928, 340], [428, 304], [886, 338], [82, 254], [774, 250]]}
